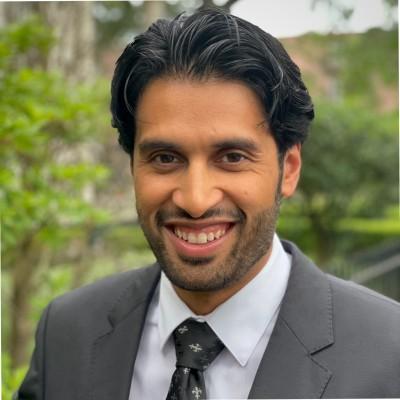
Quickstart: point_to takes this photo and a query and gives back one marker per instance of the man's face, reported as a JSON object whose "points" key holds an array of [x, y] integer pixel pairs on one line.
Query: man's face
{"points": [[207, 181]]}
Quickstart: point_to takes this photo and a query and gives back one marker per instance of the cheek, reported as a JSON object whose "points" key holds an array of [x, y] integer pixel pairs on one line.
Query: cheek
{"points": [[150, 194], [252, 195]]}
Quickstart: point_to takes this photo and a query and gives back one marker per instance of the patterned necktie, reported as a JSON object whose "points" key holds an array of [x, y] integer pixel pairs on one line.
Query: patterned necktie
{"points": [[196, 347]]}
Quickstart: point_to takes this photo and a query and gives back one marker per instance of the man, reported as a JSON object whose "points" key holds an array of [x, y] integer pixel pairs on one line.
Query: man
{"points": [[213, 112]]}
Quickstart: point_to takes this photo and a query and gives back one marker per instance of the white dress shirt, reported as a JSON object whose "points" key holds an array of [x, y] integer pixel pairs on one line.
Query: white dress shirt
{"points": [[244, 324]]}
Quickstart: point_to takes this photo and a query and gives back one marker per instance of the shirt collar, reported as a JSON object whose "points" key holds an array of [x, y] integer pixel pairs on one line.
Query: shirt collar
{"points": [[249, 311]]}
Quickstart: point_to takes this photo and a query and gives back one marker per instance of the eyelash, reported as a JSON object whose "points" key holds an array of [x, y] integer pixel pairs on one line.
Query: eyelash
{"points": [[236, 154], [175, 160], [158, 156]]}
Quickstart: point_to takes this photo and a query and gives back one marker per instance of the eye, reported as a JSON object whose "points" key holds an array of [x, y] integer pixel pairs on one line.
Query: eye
{"points": [[165, 158], [165, 162], [233, 158]]}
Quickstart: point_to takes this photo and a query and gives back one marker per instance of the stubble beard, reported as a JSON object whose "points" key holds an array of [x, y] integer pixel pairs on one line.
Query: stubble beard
{"points": [[204, 274]]}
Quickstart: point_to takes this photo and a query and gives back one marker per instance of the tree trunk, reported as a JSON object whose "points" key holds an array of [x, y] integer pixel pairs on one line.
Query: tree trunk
{"points": [[74, 29], [153, 11], [23, 274], [323, 238]]}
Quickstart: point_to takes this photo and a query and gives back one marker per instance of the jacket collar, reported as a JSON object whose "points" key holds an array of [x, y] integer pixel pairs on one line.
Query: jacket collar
{"points": [[114, 351], [307, 306], [304, 327]]}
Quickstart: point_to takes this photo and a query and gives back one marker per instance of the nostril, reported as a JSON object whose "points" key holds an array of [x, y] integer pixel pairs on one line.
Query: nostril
{"points": [[196, 202]]}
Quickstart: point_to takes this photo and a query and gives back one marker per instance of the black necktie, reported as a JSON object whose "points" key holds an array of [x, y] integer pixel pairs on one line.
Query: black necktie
{"points": [[196, 347]]}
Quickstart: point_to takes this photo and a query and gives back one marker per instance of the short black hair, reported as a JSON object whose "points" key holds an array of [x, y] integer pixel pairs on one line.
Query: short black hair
{"points": [[213, 44]]}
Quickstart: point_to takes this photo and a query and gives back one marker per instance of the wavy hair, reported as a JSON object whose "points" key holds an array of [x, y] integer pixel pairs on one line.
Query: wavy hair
{"points": [[213, 44]]}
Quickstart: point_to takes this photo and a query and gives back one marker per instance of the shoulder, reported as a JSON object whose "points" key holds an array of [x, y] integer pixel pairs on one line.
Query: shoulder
{"points": [[101, 297], [349, 290], [352, 307], [365, 357], [356, 329], [344, 292], [365, 309], [108, 289]]}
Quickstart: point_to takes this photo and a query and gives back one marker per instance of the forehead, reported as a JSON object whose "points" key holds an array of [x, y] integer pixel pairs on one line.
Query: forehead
{"points": [[195, 111]]}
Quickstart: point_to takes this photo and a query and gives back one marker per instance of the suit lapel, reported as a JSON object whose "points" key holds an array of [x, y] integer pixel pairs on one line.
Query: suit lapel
{"points": [[287, 370], [114, 351], [304, 328]]}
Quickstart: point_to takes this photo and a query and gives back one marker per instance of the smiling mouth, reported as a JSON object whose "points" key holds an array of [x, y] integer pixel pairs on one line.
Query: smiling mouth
{"points": [[200, 235]]}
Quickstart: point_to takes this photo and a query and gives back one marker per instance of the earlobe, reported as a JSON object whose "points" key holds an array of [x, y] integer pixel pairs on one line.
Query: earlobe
{"points": [[291, 170]]}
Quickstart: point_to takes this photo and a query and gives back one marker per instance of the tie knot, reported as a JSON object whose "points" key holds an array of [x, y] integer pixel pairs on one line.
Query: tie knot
{"points": [[196, 345]]}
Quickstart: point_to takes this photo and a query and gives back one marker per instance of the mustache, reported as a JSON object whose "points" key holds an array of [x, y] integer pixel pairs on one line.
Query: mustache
{"points": [[163, 216]]}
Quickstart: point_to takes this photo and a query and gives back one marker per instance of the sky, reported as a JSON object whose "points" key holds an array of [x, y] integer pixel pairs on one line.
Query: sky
{"points": [[287, 18]]}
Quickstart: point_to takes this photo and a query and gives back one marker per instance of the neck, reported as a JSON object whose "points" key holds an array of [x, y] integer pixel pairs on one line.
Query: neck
{"points": [[203, 303]]}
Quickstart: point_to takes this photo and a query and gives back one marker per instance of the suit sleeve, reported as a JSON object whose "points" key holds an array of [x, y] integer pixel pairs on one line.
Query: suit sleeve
{"points": [[33, 385]]}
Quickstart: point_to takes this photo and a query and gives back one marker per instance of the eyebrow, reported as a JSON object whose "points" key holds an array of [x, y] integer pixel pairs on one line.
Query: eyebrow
{"points": [[148, 146], [243, 144]]}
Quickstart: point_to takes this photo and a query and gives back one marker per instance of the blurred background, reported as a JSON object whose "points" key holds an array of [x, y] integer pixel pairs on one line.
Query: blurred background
{"points": [[67, 206]]}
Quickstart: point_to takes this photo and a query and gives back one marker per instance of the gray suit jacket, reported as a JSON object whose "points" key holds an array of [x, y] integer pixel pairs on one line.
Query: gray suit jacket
{"points": [[332, 339]]}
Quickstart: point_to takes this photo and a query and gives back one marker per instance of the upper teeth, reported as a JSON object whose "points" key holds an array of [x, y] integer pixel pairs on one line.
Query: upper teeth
{"points": [[199, 238]]}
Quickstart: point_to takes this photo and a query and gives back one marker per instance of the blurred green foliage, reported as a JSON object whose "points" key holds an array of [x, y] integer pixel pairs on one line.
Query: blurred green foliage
{"points": [[11, 377], [43, 120], [348, 183], [350, 162], [374, 51], [348, 193], [41, 116]]}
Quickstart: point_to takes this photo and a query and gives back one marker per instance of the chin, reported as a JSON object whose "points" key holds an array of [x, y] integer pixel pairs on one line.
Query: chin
{"points": [[201, 274]]}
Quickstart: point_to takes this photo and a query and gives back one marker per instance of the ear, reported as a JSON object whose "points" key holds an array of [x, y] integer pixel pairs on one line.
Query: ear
{"points": [[291, 170], [131, 163]]}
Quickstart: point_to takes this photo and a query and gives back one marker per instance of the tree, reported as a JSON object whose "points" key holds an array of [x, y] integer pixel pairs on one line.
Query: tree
{"points": [[118, 21], [41, 192], [72, 28], [350, 164], [343, 12], [349, 173]]}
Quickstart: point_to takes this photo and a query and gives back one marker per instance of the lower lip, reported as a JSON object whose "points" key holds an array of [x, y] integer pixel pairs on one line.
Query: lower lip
{"points": [[197, 250]]}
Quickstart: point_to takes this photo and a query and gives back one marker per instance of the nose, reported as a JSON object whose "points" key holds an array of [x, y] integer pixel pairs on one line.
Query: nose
{"points": [[197, 191]]}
